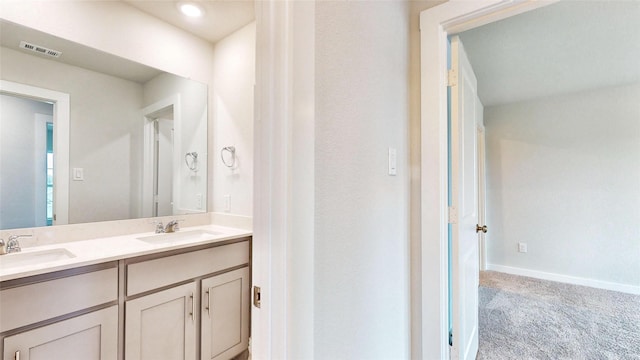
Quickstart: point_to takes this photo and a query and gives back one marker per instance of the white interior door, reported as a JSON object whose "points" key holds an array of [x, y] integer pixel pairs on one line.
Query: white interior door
{"points": [[165, 168], [465, 109]]}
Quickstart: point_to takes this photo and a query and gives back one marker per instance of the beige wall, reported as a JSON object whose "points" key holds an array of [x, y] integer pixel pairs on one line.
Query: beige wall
{"points": [[232, 94], [563, 176], [361, 251]]}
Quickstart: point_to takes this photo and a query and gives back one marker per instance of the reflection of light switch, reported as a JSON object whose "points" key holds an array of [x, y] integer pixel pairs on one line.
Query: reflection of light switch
{"points": [[392, 161], [78, 174], [198, 201], [227, 203]]}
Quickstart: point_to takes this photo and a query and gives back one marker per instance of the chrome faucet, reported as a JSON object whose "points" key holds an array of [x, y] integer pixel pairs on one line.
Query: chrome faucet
{"points": [[13, 245], [159, 226], [172, 226]]}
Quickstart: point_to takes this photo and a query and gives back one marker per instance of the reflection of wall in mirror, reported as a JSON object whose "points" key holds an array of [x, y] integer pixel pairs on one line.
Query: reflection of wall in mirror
{"points": [[120, 29], [105, 133], [22, 161], [148, 41], [193, 134]]}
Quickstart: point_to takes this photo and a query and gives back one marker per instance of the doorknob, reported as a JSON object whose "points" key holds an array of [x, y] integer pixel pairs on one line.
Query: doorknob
{"points": [[481, 228]]}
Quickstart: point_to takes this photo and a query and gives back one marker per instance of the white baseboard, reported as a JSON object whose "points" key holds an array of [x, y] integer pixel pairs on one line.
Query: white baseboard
{"points": [[629, 289]]}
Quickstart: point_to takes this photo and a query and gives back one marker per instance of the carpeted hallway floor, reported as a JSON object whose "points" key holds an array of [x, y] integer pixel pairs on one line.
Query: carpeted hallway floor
{"points": [[526, 318]]}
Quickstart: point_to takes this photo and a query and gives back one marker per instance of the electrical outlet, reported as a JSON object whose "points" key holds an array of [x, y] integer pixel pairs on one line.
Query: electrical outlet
{"points": [[522, 247], [198, 201], [227, 203]]}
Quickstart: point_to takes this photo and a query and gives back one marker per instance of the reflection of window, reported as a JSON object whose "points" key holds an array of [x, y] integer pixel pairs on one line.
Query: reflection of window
{"points": [[49, 174]]}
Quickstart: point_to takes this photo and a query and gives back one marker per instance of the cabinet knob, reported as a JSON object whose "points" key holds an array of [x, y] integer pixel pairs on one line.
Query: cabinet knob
{"points": [[482, 228]]}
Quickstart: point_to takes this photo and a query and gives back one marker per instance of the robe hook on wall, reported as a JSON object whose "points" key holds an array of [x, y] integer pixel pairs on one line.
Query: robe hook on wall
{"points": [[191, 158], [230, 163]]}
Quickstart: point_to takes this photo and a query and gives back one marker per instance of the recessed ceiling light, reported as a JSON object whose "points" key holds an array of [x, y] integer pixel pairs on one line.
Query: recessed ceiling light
{"points": [[190, 9]]}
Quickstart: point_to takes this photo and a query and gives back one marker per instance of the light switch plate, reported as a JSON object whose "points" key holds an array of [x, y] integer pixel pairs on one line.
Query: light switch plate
{"points": [[393, 161], [198, 201], [522, 247], [227, 203], [78, 174]]}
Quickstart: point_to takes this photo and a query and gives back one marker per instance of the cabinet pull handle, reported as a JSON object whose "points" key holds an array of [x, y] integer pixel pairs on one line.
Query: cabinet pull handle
{"points": [[208, 302], [191, 312], [16, 356]]}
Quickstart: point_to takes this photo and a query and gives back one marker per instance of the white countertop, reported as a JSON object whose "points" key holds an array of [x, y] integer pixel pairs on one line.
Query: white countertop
{"points": [[95, 251]]}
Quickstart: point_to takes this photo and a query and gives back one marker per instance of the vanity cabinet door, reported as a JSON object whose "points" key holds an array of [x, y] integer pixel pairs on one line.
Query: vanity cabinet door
{"points": [[93, 336], [225, 315], [162, 325]]}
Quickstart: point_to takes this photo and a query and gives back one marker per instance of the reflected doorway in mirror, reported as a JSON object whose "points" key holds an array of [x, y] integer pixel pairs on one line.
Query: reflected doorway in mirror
{"points": [[46, 200], [162, 129]]}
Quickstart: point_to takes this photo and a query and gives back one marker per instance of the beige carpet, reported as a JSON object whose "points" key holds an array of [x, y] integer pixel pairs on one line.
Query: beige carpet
{"points": [[526, 318]]}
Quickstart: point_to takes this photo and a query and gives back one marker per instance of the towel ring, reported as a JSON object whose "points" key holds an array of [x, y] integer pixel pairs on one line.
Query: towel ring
{"points": [[193, 164], [230, 163]]}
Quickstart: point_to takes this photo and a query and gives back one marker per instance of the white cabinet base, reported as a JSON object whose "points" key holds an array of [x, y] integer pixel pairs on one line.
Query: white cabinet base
{"points": [[225, 315], [162, 326], [93, 336]]}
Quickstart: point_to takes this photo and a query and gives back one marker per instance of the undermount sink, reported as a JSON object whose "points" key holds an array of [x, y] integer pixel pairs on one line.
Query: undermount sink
{"points": [[34, 257], [181, 236]]}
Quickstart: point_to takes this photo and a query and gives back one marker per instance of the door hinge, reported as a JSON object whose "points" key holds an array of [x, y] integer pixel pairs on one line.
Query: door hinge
{"points": [[452, 78], [256, 296], [453, 215]]}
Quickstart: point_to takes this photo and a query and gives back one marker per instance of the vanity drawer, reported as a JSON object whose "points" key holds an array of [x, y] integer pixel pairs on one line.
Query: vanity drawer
{"points": [[156, 273], [32, 302]]}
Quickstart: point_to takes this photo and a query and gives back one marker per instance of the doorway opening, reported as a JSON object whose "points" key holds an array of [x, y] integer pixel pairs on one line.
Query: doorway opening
{"points": [[47, 126], [161, 158], [454, 19]]}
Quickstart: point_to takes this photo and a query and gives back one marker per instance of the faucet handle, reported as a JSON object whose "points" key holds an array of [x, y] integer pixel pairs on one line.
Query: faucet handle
{"points": [[13, 245], [159, 226], [3, 249], [173, 225]]}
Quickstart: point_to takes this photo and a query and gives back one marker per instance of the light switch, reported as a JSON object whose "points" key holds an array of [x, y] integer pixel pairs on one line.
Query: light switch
{"points": [[78, 174], [392, 161]]}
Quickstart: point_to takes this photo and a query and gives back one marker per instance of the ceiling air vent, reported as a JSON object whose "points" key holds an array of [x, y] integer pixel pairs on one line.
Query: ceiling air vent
{"points": [[40, 49]]}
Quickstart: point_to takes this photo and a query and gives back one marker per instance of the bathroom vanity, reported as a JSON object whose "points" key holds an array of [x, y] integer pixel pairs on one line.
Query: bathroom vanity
{"points": [[183, 295]]}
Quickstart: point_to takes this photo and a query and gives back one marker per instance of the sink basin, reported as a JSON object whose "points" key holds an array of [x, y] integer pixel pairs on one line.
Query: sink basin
{"points": [[34, 257], [181, 236]]}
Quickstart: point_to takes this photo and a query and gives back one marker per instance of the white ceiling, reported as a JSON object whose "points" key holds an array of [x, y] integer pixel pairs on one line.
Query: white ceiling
{"points": [[221, 17], [565, 47]]}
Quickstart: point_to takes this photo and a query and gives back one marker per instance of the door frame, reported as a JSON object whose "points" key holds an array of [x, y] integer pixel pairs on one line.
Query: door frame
{"points": [[146, 195], [283, 200], [482, 194], [61, 115], [436, 24]]}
